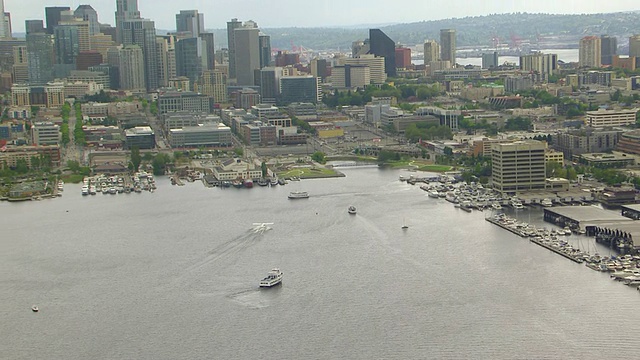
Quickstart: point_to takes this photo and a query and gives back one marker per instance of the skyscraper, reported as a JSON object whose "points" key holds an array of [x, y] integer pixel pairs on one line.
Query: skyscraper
{"points": [[609, 48], [213, 83], [190, 21], [33, 26], [130, 62], [231, 26], [125, 10], [265, 50], [52, 16], [247, 56], [634, 48], [166, 50], [5, 22], [40, 58], [431, 51], [209, 41], [448, 45], [590, 54], [66, 43], [142, 32], [381, 45], [191, 58], [87, 13]]}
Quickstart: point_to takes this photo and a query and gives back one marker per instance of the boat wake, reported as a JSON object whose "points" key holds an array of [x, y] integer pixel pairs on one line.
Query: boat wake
{"points": [[227, 249]]}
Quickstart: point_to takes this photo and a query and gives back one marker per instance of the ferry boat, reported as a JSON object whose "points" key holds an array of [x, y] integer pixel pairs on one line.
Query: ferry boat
{"points": [[273, 278], [352, 210], [298, 195]]}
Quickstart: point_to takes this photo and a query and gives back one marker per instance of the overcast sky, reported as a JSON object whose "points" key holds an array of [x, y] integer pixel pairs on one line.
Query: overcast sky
{"points": [[315, 13]]}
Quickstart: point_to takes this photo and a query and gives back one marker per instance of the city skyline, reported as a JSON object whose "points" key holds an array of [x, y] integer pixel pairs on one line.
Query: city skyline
{"points": [[268, 16]]}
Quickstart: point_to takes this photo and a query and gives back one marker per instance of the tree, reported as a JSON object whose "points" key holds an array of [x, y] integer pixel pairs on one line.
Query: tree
{"points": [[318, 157], [136, 159], [263, 167]]}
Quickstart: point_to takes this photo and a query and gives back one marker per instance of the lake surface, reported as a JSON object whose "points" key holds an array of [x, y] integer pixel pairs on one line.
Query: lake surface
{"points": [[174, 275]]}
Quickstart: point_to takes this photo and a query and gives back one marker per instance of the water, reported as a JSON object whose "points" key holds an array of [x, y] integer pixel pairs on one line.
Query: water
{"points": [[566, 55], [174, 274]]}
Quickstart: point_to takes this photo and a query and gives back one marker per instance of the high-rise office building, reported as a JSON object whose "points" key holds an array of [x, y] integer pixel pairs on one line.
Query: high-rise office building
{"points": [[129, 61], [5, 22], [67, 17], [142, 32], [490, 60], [319, 69], [53, 15], [543, 64], [191, 58], [40, 58], [67, 48], [403, 57], [448, 45], [590, 54], [303, 89], [20, 70], [609, 48], [33, 26], [518, 166], [270, 83], [231, 27], [213, 83], [210, 49], [247, 56], [125, 10], [634, 48], [166, 50], [87, 13], [431, 51], [265, 50], [381, 45], [190, 21]]}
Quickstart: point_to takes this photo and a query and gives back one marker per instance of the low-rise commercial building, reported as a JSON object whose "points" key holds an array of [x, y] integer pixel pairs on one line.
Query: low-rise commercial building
{"points": [[208, 135], [142, 137], [608, 118], [603, 161], [45, 133]]}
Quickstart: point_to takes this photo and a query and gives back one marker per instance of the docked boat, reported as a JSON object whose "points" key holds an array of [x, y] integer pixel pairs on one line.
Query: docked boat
{"points": [[352, 210], [274, 181], [226, 183], [273, 278], [85, 190], [546, 202], [237, 184], [496, 206], [248, 183], [263, 182], [516, 204], [298, 195]]}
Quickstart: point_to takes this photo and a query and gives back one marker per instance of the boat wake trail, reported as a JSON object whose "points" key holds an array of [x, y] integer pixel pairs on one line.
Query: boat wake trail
{"points": [[227, 249]]}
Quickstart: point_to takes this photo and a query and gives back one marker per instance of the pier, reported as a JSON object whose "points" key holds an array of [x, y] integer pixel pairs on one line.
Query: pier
{"points": [[556, 250]]}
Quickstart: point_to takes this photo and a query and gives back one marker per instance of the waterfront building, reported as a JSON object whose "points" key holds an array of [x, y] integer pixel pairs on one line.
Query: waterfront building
{"points": [[208, 135], [448, 45], [382, 46], [142, 137], [247, 55], [11, 154], [590, 54], [609, 48], [609, 118], [587, 140], [300, 89], [45, 133], [233, 169], [431, 51], [518, 166]]}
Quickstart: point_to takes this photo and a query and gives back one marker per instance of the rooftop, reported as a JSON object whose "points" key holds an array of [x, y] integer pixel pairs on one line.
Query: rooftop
{"points": [[589, 214]]}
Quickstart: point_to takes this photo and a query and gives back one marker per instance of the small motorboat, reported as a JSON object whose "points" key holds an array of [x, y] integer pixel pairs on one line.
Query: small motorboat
{"points": [[34, 308], [352, 210]]}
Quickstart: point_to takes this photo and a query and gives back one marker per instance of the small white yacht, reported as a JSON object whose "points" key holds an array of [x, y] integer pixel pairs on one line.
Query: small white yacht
{"points": [[273, 278], [352, 210], [546, 202]]}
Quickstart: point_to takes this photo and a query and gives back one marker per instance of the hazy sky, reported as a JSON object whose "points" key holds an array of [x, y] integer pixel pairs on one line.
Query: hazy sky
{"points": [[314, 13]]}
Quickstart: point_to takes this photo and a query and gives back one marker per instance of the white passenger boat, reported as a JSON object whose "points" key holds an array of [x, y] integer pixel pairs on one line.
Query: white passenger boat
{"points": [[273, 278], [298, 195], [352, 210]]}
